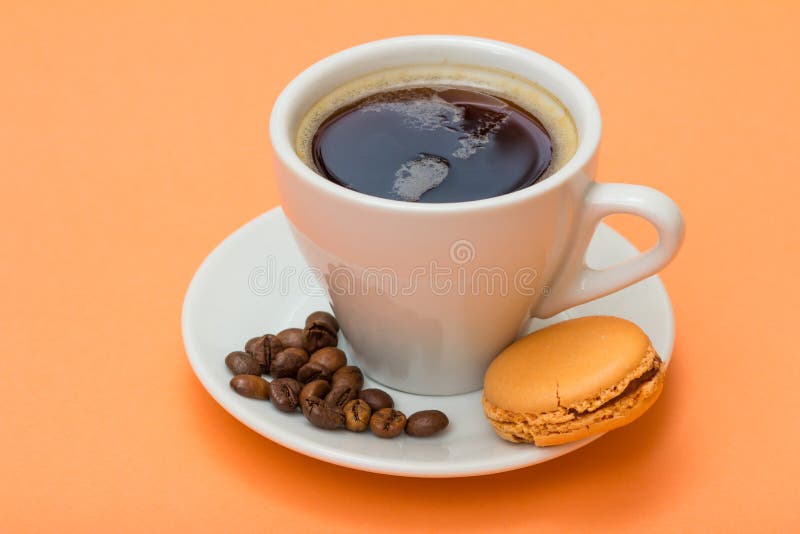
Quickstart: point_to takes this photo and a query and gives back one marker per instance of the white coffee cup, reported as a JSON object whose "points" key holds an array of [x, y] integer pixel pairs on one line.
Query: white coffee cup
{"points": [[386, 263]]}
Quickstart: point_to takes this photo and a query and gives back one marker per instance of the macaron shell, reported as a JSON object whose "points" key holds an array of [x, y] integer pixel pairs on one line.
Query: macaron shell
{"points": [[566, 364]]}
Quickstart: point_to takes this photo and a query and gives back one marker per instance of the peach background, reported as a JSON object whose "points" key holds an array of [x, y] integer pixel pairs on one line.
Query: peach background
{"points": [[134, 139]]}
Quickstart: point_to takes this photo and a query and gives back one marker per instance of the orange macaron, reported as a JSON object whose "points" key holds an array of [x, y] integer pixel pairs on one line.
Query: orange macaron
{"points": [[571, 380]]}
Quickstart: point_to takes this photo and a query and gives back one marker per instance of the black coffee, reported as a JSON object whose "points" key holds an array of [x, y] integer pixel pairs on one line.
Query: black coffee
{"points": [[438, 144]]}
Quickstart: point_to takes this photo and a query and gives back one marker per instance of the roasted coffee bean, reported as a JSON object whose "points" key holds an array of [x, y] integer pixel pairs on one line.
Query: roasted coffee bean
{"points": [[291, 337], [349, 375], [330, 357], [322, 414], [248, 347], [356, 415], [313, 371], [308, 403], [241, 363], [324, 320], [317, 388], [251, 386], [316, 338], [387, 423], [341, 395], [263, 349], [287, 362], [426, 423], [376, 398], [320, 331], [285, 393]]}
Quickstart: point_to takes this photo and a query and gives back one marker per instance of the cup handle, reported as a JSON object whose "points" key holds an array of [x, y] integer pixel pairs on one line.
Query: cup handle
{"points": [[579, 284]]}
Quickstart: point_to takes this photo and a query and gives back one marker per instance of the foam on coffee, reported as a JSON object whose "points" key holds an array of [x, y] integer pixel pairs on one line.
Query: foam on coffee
{"points": [[430, 112]]}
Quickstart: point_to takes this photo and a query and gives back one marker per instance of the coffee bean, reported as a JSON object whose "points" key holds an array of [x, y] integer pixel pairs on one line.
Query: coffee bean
{"points": [[284, 393], [387, 423], [263, 349], [330, 357], [317, 338], [349, 375], [251, 386], [287, 362], [241, 363], [426, 423], [313, 371], [308, 403], [341, 395], [320, 331], [324, 320], [316, 388], [376, 398], [322, 414], [356, 415], [248, 347], [291, 337]]}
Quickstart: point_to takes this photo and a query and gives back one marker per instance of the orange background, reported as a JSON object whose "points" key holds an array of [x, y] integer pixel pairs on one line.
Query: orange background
{"points": [[134, 139]]}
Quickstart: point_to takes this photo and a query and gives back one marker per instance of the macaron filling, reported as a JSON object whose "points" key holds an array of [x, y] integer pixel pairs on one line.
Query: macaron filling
{"points": [[630, 389]]}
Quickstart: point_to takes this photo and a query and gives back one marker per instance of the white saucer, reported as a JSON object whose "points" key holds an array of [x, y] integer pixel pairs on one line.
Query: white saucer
{"points": [[227, 303]]}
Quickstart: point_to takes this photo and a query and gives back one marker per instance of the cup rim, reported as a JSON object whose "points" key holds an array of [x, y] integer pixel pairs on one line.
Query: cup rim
{"points": [[283, 142]]}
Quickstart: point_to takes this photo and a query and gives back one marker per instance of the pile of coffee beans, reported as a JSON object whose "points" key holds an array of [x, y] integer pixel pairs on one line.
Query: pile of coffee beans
{"points": [[311, 374]]}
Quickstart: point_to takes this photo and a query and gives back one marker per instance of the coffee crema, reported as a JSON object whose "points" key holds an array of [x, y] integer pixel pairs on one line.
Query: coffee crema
{"points": [[437, 134]]}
